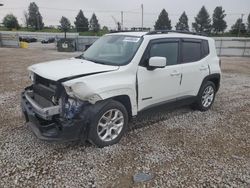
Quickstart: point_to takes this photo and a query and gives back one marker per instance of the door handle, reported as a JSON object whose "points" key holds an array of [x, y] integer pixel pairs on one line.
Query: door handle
{"points": [[175, 73]]}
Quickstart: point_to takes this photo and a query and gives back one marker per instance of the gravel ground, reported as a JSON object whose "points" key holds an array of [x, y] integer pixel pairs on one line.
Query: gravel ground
{"points": [[180, 148]]}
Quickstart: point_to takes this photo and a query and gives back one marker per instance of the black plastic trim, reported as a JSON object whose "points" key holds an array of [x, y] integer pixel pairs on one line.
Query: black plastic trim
{"points": [[211, 77], [146, 98], [55, 129], [172, 103], [137, 89], [81, 75], [174, 31]]}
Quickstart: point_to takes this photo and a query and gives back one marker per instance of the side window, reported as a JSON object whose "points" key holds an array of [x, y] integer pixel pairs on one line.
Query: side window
{"points": [[205, 47], [191, 51], [167, 49]]}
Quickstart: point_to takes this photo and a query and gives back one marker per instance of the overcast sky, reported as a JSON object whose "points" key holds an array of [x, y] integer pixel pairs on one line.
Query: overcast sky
{"points": [[52, 10]]}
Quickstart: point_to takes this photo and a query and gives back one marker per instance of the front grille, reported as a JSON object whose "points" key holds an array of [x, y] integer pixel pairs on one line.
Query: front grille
{"points": [[44, 91], [48, 89]]}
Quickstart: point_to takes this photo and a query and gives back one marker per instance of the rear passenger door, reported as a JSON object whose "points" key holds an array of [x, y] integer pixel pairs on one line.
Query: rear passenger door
{"points": [[194, 60]]}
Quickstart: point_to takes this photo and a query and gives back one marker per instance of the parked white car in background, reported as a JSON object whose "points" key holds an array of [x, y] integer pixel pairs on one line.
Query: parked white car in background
{"points": [[93, 96]]}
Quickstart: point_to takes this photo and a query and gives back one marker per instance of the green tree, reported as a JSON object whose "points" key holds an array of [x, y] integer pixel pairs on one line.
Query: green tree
{"points": [[163, 21], [105, 29], [10, 22], [81, 23], [35, 18], [202, 21], [26, 19], [65, 25], [93, 24], [219, 24], [182, 25], [239, 27], [248, 23]]}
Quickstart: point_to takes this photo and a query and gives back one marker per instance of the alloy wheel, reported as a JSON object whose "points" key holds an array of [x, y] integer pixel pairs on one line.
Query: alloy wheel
{"points": [[207, 96], [110, 125]]}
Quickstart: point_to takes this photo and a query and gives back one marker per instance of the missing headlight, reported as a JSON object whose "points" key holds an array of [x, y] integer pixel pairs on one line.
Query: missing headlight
{"points": [[71, 107]]}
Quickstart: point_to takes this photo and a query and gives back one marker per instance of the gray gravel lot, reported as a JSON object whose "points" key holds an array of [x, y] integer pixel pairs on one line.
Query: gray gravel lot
{"points": [[181, 147]]}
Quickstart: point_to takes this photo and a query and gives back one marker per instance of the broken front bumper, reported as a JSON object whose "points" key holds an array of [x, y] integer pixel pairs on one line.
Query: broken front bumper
{"points": [[46, 124]]}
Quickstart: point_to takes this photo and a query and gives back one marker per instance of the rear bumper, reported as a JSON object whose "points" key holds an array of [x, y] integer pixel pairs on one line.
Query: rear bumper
{"points": [[55, 129]]}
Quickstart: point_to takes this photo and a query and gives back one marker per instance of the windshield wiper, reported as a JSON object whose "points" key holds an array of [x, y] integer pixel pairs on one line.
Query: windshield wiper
{"points": [[80, 57], [99, 62]]}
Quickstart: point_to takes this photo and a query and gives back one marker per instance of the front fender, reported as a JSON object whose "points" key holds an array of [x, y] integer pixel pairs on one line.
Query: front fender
{"points": [[121, 92]]}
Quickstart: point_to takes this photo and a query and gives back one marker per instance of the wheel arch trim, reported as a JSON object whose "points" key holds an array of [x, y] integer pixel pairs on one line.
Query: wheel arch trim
{"points": [[215, 78]]}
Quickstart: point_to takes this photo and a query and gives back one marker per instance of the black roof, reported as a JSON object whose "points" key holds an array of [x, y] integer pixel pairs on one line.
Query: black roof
{"points": [[174, 31], [162, 32]]}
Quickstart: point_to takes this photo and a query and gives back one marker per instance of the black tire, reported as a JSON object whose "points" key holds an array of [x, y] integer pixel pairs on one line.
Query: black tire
{"points": [[198, 105], [93, 136]]}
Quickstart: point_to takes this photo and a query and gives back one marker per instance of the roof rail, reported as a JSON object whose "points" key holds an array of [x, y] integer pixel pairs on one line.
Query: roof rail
{"points": [[126, 31], [174, 31]]}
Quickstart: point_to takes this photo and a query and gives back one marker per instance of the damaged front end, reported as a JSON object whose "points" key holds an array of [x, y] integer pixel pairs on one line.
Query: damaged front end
{"points": [[51, 113]]}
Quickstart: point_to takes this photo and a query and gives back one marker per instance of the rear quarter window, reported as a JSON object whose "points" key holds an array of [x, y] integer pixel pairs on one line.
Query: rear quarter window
{"points": [[205, 48], [191, 51]]}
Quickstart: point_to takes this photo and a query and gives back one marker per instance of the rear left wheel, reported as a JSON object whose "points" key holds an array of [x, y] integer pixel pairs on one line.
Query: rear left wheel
{"points": [[205, 97]]}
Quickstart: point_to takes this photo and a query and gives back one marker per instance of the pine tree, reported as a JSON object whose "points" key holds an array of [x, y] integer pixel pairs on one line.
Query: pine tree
{"points": [[26, 19], [182, 25], [35, 18], [81, 23], [202, 21], [238, 27], [248, 23], [163, 21], [65, 25], [93, 23], [10, 22], [219, 24]]}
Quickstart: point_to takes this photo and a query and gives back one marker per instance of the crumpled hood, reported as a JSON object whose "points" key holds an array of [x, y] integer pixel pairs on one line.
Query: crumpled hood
{"points": [[61, 69]]}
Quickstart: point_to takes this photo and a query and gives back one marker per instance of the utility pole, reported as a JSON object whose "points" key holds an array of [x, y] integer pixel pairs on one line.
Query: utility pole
{"points": [[142, 16], [122, 20], [241, 21]]}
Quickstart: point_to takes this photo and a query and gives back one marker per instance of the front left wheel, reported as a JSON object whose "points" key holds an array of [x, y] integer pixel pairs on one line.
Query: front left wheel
{"points": [[109, 124]]}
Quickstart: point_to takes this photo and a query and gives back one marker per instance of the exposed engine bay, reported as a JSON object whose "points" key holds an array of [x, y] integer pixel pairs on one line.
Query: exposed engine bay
{"points": [[50, 94]]}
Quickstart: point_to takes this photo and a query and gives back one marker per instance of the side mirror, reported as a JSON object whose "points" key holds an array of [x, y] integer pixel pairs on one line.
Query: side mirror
{"points": [[157, 62]]}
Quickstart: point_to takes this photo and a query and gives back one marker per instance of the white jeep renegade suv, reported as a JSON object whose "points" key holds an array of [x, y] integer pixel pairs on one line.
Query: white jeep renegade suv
{"points": [[93, 96]]}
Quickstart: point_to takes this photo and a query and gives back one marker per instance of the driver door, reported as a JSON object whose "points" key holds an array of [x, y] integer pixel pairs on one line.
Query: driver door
{"points": [[161, 84]]}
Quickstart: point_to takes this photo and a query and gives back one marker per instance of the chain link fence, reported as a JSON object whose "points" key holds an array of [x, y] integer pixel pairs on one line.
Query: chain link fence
{"points": [[233, 46]]}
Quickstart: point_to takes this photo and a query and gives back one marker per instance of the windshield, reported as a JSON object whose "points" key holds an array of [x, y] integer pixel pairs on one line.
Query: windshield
{"points": [[113, 49]]}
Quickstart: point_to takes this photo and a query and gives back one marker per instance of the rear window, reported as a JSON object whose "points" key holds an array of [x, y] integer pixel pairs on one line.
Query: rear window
{"points": [[191, 51]]}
